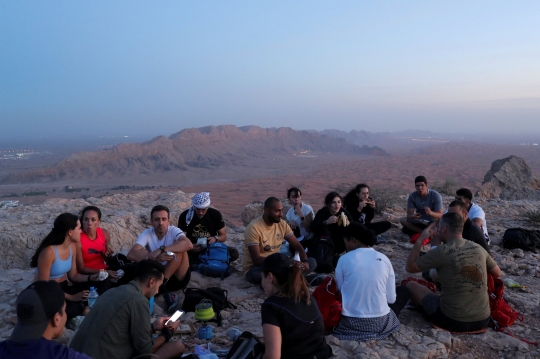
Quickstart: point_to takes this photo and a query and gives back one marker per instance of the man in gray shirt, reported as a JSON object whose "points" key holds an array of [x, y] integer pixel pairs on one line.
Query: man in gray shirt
{"points": [[118, 325], [423, 206]]}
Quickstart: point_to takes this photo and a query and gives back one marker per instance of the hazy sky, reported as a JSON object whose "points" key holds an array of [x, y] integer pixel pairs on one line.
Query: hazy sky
{"points": [[86, 68]]}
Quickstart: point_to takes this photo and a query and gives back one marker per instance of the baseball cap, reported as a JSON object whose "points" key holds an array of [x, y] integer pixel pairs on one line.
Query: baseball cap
{"points": [[36, 305]]}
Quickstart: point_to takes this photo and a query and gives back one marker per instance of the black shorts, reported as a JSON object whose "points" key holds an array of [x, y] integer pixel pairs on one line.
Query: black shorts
{"points": [[431, 302], [174, 284]]}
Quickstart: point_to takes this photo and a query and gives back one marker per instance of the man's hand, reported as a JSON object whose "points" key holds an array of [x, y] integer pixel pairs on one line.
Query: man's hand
{"points": [[79, 297], [212, 240], [164, 257], [292, 224], [428, 211], [159, 323], [415, 216], [197, 248], [112, 274], [305, 266], [331, 220]]}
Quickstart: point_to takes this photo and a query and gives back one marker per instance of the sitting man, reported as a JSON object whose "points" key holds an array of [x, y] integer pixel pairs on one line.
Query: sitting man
{"points": [[201, 221], [470, 230], [41, 317], [423, 206], [156, 243], [476, 213], [118, 326], [264, 236], [300, 215], [462, 266]]}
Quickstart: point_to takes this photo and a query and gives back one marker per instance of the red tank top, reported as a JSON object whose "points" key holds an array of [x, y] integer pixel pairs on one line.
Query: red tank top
{"points": [[94, 250]]}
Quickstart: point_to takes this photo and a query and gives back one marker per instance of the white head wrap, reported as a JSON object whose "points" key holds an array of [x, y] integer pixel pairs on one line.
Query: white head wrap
{"points": [[200, 201]]}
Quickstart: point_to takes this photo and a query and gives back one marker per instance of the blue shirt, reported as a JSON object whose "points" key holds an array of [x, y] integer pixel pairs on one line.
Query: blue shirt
{"points": [[38, 349]]}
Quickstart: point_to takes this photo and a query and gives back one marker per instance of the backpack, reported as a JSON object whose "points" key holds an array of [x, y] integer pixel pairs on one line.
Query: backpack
{"points": [[322, 250], [247, 346], [502, 315], [329, 301], [521, 238], [218, 297], [415, 237], [215, 261]]}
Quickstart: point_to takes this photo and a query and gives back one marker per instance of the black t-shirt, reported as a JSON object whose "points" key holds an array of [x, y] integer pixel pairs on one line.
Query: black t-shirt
{"points": [[334, 231], [301, 325], [473, 233], [205, 227]]}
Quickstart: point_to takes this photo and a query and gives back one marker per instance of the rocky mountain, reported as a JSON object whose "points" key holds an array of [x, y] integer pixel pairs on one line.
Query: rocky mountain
{"points": [[206, 147], [510, 178]]}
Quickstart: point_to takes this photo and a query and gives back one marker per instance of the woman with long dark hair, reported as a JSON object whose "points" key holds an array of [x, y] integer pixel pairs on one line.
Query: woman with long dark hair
{"points": [[292, 324], [328, 221], [362, 208], [56, 258]]}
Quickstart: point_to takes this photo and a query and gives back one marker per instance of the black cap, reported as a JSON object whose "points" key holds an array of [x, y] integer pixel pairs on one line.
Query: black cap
{"points": [[36, 305]]}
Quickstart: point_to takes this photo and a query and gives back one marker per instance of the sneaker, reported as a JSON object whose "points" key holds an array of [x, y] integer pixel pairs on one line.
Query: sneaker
{"points": [[171, 301]]}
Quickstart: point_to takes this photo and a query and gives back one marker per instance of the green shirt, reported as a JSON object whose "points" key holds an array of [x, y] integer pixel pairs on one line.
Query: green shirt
{"points": [[462, 267], [118, 326]]}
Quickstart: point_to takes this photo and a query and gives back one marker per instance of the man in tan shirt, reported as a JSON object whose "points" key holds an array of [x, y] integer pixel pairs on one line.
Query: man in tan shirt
{"points": [[264, 236]]}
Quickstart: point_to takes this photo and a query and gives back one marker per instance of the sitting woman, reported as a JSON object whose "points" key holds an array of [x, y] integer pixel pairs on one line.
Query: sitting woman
{"points": [[292, 324], [366, 280], [56, 258], [328, 221], [94, 243], [362, 208]]}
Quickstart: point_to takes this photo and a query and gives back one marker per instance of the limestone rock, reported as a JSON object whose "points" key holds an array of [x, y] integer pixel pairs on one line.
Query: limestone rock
{"points": [[511, 179], [252, 211]]}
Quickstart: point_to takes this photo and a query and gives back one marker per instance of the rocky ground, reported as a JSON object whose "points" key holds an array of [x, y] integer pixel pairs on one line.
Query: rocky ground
{"points": [[126, 215]]}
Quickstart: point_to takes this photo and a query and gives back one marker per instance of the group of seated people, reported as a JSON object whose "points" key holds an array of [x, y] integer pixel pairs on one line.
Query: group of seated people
{"points": [[70, 258]]}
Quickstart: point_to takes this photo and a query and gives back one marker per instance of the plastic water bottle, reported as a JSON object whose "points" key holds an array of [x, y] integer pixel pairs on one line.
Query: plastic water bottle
{"points": [[92, 297], [285, 248]]}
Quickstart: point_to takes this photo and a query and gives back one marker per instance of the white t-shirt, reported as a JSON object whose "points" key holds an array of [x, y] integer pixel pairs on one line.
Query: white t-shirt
{"points": [[149, 240], [292, 216], [477, 212], [367, 283]]}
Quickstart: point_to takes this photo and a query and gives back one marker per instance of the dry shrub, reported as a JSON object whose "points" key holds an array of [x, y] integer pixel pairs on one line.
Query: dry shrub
{"points": [[384, 197], [532, 215], [448, 187]]}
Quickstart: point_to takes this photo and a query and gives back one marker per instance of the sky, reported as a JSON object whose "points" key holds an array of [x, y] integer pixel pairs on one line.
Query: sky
{"points": [[81, 69]]}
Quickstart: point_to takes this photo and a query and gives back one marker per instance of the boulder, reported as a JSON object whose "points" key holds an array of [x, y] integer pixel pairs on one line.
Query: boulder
{"points": [[510, 179]]}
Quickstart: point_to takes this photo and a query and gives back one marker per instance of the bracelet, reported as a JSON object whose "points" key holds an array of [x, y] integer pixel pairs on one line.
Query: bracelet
{"points": [[153, 329], [166, 333], [305, 261]]}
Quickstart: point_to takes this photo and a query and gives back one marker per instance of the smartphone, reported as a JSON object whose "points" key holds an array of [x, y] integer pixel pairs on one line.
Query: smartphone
{"points": [[175, 316]]}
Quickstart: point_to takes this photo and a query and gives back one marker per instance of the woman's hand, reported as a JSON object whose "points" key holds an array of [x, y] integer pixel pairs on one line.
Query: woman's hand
{"points": [[361, 205], [292, 224], [79, 297], [331, 220], [112, 274], [94, 277], [371, 203]]}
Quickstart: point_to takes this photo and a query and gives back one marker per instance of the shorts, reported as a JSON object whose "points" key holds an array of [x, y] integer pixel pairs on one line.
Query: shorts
{"points": [[431, 302], [174, 284]]}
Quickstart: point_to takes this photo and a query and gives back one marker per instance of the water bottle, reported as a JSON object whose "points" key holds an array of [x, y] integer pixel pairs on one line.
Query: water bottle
{"points": [[92, 297], [285, 248]]}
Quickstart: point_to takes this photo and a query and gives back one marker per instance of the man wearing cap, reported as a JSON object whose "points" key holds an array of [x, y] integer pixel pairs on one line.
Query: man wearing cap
{"points": [[41, 317], [201, 221], [423, 207], [118, 325]]}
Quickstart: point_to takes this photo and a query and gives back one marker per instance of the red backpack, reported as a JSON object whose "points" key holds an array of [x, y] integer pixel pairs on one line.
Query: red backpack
{"points": [[329, 301], [502, 315]]}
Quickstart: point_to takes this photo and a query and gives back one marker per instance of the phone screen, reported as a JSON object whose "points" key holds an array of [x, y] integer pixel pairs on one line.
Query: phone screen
{"points": [[175, 316]]}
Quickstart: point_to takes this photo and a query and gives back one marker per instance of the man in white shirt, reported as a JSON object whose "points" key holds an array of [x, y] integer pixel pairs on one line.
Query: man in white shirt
{"points": [[300, 215], [476, 213], [166, 244]]}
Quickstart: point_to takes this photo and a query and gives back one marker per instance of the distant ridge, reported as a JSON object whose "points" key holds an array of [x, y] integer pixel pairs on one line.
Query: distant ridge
{"points": [[205, 147]]}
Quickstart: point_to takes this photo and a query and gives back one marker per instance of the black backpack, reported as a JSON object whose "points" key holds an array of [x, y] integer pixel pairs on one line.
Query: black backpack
{"points": [[322, 250], [247, 346], [521, 238], [218, 297]]}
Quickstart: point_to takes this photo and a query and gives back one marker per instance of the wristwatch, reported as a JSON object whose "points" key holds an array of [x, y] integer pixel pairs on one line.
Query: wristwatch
{"points": [[302, 218], [162, 249]]}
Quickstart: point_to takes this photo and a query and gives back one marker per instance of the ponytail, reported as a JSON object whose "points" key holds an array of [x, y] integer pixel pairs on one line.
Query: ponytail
{"points": [[62, 225], [296, 287]]}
